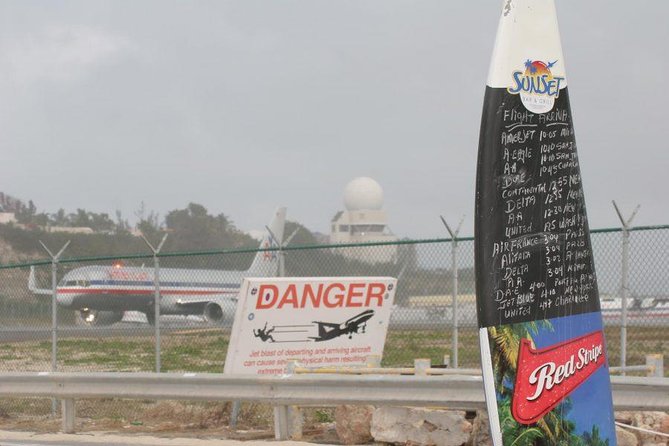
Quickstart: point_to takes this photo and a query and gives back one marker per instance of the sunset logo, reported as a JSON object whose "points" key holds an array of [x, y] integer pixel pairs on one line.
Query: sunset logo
{"points": [[537, 86]]}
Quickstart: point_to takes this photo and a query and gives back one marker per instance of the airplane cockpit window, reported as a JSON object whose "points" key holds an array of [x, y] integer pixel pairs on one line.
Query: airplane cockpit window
{"points": [[77, 283]]}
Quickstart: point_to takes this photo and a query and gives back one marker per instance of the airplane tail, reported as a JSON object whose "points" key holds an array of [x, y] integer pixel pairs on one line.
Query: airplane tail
{"points": [[266, 263], [32, 284]]}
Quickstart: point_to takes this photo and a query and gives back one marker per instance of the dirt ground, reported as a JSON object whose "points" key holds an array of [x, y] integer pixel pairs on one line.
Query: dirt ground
{"points": [[166, 418]]}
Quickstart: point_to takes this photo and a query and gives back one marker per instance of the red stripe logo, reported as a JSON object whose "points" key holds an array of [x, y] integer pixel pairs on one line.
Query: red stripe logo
{"points": [[546, 376]]}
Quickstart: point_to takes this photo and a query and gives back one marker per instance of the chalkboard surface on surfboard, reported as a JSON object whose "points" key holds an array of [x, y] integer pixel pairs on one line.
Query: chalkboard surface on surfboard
{"points": [[542, 347]]}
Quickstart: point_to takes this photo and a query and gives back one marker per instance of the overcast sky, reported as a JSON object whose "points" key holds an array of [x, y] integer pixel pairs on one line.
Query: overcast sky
{"points": [[243, 106]]}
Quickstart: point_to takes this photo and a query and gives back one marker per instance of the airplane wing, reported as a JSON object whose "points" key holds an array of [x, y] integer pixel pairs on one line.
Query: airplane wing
{"points": [[186, 301]]}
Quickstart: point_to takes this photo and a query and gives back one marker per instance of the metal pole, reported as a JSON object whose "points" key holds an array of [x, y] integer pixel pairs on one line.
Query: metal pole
{"points": [[156, 307], [54, 314], [625, 295], [624, 284], [156, 295], [54, 328], [454, 299]]}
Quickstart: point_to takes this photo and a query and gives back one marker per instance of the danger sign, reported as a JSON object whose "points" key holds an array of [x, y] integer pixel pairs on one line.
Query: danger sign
{"points": [[317, 321]]}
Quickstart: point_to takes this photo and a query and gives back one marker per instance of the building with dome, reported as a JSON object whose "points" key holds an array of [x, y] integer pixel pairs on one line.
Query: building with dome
{"points": [[363, 221]]}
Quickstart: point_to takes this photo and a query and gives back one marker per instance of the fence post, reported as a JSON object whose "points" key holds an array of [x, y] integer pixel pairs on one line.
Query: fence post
{"points": [[54, 313], [624, 283], [454, 301], [156, 295]]}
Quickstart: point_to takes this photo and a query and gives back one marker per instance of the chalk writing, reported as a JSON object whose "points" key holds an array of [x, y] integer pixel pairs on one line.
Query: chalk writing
{"points": [[537, 241]]}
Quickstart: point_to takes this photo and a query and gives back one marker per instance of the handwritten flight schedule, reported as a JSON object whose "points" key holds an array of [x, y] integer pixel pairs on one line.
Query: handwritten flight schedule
{"points": [[536, 246]]}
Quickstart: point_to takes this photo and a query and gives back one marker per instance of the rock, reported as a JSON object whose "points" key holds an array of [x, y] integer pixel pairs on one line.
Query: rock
{"points": [[664, 425], [480, 430], [654, 421], [651, 421], [418, 426], [353, 424], [625, 437]]}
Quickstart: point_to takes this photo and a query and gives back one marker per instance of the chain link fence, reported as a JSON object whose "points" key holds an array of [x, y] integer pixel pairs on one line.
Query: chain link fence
{"points": [[421, 324]]}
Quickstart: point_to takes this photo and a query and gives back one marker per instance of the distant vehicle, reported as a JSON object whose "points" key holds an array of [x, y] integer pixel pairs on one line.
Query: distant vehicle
{"points": [[329, 330], [100, 295]]}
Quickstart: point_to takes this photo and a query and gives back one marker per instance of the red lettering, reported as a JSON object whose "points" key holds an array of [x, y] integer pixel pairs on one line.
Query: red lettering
{"points": [[289, 297], [375, 291], [352, 293], [308, 294], [338, 298], [267, 295]]}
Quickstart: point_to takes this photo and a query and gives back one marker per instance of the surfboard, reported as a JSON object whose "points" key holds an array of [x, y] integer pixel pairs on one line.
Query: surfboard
{"points": [[543, 351]]}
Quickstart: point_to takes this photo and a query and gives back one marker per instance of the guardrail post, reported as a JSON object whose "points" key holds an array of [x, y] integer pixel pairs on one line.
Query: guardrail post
{"points": [[280, 423], [373, 361], [454, 301], [68, 413], [282, 429], [156, 295], [234, 413], [624, 284], [295, 420], [656, 365], [421, 366], [54, 313], [447, 360]]}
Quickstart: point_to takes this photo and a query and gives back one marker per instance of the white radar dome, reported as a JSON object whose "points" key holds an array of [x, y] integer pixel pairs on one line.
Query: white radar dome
{"points": [[363, 193]]}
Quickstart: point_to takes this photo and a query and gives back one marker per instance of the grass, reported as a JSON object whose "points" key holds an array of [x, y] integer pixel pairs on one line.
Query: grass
{"points": [[204, 351], [402, 347]]}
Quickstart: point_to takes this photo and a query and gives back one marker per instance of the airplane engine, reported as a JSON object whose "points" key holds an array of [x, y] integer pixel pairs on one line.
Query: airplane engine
{"points": [[97, 318], [213, 314]]}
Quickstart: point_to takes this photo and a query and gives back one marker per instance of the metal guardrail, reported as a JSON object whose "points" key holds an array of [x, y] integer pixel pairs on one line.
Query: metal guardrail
{"points": [[654, 367], [457, 392]]}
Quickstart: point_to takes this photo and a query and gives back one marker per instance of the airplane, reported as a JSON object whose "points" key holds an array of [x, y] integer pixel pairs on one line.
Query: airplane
{"points": [[329, 330], [101, 294]]}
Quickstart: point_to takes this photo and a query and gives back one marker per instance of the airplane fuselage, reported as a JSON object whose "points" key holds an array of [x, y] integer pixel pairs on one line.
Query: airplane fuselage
{"points": [[113, 288]]}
